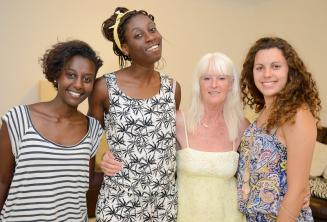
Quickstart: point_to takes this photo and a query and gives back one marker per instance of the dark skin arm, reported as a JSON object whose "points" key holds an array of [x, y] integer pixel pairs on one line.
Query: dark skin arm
{"points": [[178, 95], [95, 178], [98, 100], [7, 164], [97, 106]]}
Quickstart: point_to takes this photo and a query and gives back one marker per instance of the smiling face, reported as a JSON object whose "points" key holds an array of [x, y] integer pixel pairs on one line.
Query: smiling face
{"points": [[270, 72], [143, 41], [75, 82], [214, 87]]}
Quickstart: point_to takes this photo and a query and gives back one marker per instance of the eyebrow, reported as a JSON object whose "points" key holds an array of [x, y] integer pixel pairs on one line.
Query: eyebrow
{"points": [[138, 28]]}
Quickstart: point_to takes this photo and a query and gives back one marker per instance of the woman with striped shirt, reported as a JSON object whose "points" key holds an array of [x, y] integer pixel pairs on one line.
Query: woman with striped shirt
{"points": [[47, 149]]}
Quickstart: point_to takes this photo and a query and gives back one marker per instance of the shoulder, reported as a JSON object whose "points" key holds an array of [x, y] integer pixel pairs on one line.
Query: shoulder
{"points": [[180, 116], [100, 87], [100, 81], [244, 123], [94, 124], [303, 125], [15, 111]]}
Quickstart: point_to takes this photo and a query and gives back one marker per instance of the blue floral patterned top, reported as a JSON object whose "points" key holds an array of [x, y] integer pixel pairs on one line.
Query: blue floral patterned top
{"points": [[268, 182]]}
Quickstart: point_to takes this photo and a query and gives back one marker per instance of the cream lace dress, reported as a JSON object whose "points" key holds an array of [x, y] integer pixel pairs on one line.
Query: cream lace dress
{"points": [[207, 185]]}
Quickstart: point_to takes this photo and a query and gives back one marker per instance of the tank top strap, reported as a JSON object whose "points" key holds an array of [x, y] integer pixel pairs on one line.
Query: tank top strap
{"points": [[174, 86], [274, 131], [185, 131], [234, 148]]}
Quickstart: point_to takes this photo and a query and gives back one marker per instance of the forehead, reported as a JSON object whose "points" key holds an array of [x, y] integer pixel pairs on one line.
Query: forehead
{"points": [[138, 21], [214, 68], [79, 62], [272, 54]]}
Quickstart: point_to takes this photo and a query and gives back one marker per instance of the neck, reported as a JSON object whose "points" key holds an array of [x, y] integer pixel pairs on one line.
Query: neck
{"points": [[141, 73], [62, 111], [212, 115], [268, 103]]}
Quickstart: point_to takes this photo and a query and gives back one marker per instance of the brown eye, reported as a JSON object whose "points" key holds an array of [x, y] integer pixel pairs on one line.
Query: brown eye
{"points": [[71, 75], [87, 79]]}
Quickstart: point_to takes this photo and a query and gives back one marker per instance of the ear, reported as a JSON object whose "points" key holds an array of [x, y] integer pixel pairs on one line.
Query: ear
{"points": [[124, 48]]}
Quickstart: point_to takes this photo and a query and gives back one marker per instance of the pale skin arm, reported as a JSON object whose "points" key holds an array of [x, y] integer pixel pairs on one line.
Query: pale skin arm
{"points": [[299, 157], [7, 164], [243, 125], [109, 165], [180, 133]]}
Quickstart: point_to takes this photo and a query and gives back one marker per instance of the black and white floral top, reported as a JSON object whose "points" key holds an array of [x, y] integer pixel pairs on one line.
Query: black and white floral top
{"points": [[141, 134]]}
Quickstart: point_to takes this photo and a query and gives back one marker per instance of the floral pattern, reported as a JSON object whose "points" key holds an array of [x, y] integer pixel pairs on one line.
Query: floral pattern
{"points": [[268, 182], [141, 134]]}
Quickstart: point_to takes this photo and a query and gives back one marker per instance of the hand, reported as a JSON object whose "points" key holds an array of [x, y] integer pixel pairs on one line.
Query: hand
{"points": [[109, 165], [306, 202]]}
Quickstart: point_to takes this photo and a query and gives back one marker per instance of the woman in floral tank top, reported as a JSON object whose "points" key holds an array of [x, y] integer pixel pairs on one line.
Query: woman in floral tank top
{"points": [[276, 149]]}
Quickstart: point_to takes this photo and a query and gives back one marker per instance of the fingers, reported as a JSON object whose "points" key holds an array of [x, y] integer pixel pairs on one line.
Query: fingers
{"points": [[109, 165], [306, 201]]}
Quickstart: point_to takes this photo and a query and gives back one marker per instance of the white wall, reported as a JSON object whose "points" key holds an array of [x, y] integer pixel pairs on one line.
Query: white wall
{"points": [[190, 28]]}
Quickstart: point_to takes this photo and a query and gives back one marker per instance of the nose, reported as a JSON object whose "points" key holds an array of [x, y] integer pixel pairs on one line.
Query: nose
{"points": [[78, 83], [267, 73], [149, 36], [214, 82]]}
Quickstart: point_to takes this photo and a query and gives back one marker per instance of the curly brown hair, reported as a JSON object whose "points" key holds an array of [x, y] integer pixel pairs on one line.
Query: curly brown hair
{"points": [[299, 90], [108, 31]]}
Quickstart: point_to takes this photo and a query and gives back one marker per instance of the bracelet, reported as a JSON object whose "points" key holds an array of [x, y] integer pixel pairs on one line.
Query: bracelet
{"points": [[288, 212]]}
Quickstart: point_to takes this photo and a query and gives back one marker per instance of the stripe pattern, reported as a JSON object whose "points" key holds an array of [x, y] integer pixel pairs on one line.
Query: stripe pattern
{"points": [[50, 180]]}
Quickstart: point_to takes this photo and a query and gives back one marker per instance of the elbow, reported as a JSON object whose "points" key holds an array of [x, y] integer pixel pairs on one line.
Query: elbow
{"points": [[299, 193]]}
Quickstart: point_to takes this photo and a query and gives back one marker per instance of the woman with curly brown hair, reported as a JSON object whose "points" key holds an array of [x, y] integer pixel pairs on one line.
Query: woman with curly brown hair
{"points": [[277, 148]]}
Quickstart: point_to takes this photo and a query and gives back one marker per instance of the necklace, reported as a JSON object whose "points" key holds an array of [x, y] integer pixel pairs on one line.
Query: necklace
{"points": [[204, 125]]}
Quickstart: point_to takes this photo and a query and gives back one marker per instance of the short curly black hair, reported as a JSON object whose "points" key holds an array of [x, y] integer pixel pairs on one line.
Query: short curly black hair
{"points": [[55, 58]]}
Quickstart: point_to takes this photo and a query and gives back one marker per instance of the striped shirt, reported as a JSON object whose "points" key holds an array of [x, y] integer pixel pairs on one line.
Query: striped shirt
{"points": [[50, 180]]}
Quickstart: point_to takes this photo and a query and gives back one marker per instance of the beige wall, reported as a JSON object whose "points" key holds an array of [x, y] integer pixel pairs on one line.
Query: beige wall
{"points": [[190, 28]]}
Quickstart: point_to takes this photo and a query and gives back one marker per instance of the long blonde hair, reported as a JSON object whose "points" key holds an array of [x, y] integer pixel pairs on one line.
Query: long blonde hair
{"points": [[232, 111]]}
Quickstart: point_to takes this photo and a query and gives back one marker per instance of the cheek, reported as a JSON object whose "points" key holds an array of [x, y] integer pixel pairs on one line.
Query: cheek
{"points": [[256, 79], [88, 88], [226, 86]]}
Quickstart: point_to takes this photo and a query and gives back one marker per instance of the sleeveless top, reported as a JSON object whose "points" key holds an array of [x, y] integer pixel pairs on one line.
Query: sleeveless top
{"points": [[268, 176], [141, 135], [207, 185], [50, 180]]}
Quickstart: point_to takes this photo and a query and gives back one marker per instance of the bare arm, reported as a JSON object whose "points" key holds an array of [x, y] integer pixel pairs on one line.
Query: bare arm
{"points": [[178, 95], [95, 178], [180, 132], [98, 100], [98, 105], [299, 157], [7, 164], [243, 125]]}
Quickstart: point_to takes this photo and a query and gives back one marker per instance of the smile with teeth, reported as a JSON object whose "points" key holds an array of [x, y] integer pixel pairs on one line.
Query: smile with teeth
{"points": [[268, 84], [153, 48], [74, 94]]}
